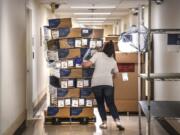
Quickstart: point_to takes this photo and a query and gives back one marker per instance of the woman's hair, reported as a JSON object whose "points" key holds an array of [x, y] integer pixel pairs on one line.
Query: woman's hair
{"points": [[109, 48]]}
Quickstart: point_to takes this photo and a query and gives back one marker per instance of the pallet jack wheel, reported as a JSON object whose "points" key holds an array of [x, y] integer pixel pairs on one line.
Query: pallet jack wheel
{"points": [[56, 121], [84, 121]]}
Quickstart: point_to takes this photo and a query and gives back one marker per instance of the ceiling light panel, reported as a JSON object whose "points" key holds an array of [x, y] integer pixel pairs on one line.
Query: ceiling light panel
{"points": [[92, 13], [93, 7], [91, 18]]}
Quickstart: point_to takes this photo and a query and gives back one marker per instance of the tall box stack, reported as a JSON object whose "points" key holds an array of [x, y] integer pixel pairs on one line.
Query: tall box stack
{"points": [[70, 84], [126, 83]]}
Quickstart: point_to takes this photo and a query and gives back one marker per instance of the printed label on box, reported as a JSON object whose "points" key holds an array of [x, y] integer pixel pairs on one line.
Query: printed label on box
{"points": [[64, 64], [74, 103], [55, 34], [89, 103], [67, 102], [64, 84], [70, 83], [78, 43], [85, 31], [58, 65], [92, 44], [94, 102], [70, 63], [80, 83], [52, 55], [81, 102], [99, 43], [125, 76], [86, 83], [60, 103], [84, 42]]}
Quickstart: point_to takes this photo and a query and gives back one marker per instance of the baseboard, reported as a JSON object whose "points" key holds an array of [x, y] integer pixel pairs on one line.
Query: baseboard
{"points": [[21, 129], [16, 124], [165, 124]]}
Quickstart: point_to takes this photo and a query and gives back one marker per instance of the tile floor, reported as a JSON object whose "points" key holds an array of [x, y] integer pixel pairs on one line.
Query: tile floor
{"points": [[129, 122]]}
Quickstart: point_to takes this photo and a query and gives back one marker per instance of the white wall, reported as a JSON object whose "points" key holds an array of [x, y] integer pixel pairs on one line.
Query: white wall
{"points": [[13, 62], [166, 16], [39, 19]]}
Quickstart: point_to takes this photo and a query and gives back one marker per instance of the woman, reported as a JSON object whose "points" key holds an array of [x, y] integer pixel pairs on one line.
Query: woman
{"points": [[102, 82]]}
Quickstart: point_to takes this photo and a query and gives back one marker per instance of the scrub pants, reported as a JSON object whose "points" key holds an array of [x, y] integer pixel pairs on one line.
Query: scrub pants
{"points": [[105, 93]]}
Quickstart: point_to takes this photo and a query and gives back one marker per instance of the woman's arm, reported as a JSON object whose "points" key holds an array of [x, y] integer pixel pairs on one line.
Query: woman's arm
{"points": [[87, 64]]}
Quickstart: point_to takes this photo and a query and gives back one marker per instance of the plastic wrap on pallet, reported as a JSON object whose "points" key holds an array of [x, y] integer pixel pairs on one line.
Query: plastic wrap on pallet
{"points": [[54, 81]]}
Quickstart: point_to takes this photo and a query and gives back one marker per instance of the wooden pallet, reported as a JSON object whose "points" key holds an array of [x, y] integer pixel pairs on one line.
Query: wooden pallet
{"points": [[58, 121]]}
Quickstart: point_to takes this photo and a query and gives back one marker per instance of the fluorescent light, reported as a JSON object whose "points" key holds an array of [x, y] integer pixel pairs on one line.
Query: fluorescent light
{"points": [[91, 21], [94, 7], [93, 13], [91, 18]]}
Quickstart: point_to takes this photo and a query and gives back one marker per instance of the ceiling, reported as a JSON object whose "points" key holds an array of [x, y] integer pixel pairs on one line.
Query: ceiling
{"points": [[122, 8]]}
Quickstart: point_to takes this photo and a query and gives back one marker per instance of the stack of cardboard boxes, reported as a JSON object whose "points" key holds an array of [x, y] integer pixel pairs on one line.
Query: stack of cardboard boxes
{"points": [[70, 83], [126, 83]]}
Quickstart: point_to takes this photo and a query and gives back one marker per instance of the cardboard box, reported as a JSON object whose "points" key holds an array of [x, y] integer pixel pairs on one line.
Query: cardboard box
{"points": [[69, 53], [63, 112], [66, 33], [113, 38], [127, 57], [67, 83], [92, 33], [80, 112], [60, 23], [53, 45], [126, 88], [71, 73], [58, 112], [70, 43], [125, 106], [68, 93]]}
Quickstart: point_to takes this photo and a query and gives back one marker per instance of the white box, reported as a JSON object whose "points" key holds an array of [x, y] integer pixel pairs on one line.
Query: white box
{"points": [[52, 90], [64, 84], [70, 83], [99, 43], [89, 103], [64, 64], [74, 103], [61, 103], [84, 42], [67, 102], [80, 83], [86, 83], [92, 44], [78, 43], [70, 63], [55, 34], [81, 102], [52, 55]]}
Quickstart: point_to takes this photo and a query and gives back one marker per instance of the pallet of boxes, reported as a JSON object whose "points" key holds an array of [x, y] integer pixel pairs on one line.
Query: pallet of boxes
{"points": [[126, 83], [71, 97]]}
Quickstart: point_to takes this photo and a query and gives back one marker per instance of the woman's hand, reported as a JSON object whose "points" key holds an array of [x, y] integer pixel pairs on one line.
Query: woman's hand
{"points": [[87, 64]]}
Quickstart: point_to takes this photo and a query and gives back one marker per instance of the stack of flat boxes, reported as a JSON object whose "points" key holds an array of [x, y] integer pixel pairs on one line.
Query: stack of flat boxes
{"points": [[71, 94], [126, 83]]}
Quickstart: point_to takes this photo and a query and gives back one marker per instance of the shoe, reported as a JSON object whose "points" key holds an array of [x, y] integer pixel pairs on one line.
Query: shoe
{"points": [[118, 124], [121, 128], [103, 126]]}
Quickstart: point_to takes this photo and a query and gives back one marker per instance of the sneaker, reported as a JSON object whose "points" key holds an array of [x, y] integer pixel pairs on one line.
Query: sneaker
{"points": [[121, 128], [118, 124], [103, 126]]}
